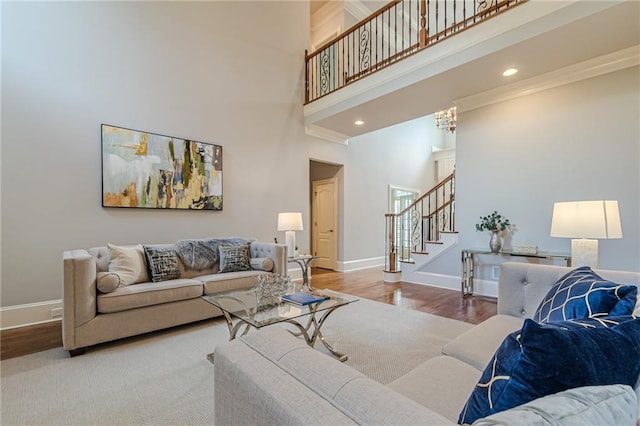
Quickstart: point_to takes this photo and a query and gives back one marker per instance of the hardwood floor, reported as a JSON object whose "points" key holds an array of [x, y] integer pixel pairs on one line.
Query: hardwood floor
{"points": [[27, 340], [367, 283]]}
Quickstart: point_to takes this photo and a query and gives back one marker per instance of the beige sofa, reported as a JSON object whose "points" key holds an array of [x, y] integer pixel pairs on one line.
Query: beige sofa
{"points": [[91, 316], [270, 377]]}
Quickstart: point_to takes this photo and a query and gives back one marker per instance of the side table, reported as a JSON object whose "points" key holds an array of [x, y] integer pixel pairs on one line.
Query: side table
{"points": [[304, 261], [468, 263]]}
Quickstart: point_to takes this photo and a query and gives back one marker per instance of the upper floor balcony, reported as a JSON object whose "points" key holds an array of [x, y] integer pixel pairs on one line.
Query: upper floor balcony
{"points": [[414, 57]]}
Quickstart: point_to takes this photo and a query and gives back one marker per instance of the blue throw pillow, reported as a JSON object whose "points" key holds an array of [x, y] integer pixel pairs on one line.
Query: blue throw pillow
{"points": [[543, 359], [582, 293]]}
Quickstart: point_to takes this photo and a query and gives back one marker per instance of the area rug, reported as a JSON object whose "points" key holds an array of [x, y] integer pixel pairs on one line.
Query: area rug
{"points": [[164, 378]]}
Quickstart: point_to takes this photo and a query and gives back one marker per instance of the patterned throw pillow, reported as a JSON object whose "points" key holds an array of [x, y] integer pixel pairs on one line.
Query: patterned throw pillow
{"points": [[234, 259], [163, 263], [543, 359], [582, 293]]}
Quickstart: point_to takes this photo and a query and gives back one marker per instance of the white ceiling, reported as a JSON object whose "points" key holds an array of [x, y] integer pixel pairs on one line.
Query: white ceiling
{"points": [[541, 46]]}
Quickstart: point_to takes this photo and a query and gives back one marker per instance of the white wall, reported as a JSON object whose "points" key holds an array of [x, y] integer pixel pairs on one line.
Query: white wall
{"points": [[575, 142], [398, 155], [229, 73]]}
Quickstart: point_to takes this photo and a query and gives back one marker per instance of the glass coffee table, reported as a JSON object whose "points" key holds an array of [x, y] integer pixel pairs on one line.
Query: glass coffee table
{"points": [[243, 309]]}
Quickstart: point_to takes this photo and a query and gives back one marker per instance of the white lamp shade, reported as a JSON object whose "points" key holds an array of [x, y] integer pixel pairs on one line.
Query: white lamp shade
{"points": [[586, 219], [290, 221]]}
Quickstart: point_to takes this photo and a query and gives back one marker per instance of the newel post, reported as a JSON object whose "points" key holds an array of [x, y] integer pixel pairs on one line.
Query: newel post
{"points": [[391, 243]]}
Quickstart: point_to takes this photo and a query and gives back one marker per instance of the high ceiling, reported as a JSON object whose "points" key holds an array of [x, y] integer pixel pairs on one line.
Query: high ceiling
{"points": [[608, 30]]}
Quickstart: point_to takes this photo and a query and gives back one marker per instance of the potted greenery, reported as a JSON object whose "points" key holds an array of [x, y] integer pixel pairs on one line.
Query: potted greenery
{"points": [[495, 223]]}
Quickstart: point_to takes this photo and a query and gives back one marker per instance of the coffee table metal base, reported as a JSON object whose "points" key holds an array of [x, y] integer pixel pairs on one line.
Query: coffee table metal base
{"points": [[311, 331]]}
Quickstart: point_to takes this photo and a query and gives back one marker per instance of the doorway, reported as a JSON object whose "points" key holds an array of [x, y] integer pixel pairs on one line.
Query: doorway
{"points": [[325, 181]]}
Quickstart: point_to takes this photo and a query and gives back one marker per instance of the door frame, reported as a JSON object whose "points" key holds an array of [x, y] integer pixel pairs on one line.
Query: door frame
{"points": [[333, 261]]}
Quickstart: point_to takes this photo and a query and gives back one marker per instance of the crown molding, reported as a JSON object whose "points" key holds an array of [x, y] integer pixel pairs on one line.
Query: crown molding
{"points": [[326, 134], [595, 67]]}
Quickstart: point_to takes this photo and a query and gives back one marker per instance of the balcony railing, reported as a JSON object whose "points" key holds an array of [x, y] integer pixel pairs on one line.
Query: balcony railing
{"points": [[396, 31]]}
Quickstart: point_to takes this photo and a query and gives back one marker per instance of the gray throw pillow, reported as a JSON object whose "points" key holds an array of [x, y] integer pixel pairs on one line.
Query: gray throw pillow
{"points": [[234, 259], [163, 263]]}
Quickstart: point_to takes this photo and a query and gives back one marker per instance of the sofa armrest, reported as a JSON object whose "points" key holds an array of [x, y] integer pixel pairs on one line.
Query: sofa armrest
{"points": [[594, 405], [276, 252], [271, 377], [79, 293]]}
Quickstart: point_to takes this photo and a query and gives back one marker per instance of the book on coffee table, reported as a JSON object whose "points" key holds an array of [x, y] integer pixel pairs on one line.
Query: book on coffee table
{"points": [[304, 298]]}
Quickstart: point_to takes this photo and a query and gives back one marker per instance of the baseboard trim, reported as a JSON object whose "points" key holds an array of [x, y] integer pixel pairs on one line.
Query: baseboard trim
{"points": [[452, 282], [356, 265], [30, 314]]}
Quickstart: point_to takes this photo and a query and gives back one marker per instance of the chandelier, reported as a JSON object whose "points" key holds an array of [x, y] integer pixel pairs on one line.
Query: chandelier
{"points": [[446, 119]]}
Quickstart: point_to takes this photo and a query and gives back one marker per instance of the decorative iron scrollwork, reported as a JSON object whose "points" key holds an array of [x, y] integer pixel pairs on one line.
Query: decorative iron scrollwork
{"points": [[324, 71], [416, 226], [484, 5], [365, 49]]}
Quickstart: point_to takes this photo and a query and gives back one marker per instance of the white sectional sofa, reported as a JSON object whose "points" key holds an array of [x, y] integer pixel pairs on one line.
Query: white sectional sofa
{"points": [[271, 378], [91, 316]]}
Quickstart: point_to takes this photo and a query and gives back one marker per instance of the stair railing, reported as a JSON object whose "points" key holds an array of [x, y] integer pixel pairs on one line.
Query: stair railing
{"points": [[422, 222], [396, 31]]}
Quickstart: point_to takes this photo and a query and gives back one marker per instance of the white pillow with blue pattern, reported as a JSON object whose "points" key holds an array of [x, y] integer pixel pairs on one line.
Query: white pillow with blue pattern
{"points": [[582, 293]]}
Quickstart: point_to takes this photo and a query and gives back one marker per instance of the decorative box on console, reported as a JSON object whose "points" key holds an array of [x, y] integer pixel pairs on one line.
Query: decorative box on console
{"points": [[525, 249]]}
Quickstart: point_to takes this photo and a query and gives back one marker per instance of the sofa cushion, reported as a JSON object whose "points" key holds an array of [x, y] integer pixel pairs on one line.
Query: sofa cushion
{"points": [[581, 293], [106, 282], [147, 294], [216, 283], [477, 345], [261, 263], [129, 263], [234, 259], [542, 359], [441, 384], [363, 400], [588, 405], [163, 263]]}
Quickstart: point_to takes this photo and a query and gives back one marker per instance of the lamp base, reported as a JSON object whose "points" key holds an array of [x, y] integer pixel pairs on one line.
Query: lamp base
{"points": [[290, 237], [584, 252]]}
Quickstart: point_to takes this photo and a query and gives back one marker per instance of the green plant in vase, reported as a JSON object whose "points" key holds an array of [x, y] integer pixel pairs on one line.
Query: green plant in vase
{"points": [[495, 223]]}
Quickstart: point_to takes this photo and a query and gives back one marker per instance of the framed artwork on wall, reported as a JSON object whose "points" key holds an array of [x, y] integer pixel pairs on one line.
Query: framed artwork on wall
{"points": [[151, 171]]}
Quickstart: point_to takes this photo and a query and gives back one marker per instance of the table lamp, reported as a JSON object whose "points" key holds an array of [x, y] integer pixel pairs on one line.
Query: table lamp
{"points": [[290, 222], [585, 222]]}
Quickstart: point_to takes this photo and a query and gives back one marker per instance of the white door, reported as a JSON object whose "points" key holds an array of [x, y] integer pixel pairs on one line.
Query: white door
{"points": [[325, 216]]}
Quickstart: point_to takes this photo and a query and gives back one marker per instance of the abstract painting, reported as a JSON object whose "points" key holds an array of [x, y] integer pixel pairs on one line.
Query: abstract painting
{"points": [[147, 170]]}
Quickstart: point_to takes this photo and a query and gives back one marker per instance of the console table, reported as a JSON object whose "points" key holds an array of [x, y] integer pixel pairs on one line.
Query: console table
{"points": [[468, 263]]}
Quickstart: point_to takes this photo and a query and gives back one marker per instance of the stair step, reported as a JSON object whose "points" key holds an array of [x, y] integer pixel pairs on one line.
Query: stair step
{"points": [[411, 262], [419, 252], [434, 242]]}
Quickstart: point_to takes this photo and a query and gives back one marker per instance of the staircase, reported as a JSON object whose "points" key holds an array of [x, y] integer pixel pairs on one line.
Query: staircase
{"points": [[420, 233]]}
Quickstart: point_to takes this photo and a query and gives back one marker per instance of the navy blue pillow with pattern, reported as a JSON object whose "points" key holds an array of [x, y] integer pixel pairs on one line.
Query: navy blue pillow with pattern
{"points": [[582, 293], [543, 359]]}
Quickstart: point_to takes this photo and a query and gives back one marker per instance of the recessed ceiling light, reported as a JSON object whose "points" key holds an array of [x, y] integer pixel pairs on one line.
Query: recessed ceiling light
{"points": [[358, 122], [509, 72]]}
